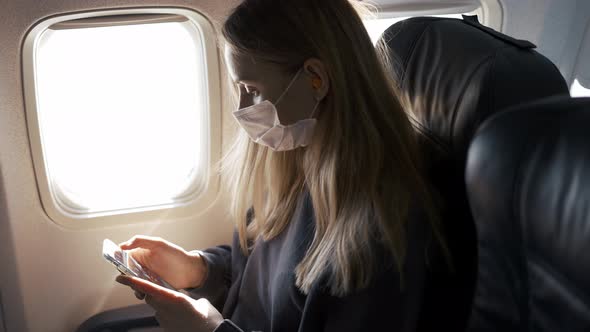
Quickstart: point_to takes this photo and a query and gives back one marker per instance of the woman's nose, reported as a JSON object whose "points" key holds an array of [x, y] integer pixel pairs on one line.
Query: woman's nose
{"points": [[244, 101]]}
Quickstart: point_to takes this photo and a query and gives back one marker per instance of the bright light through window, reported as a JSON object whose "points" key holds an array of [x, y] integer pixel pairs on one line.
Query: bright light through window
{"points": [[377, 26], [122, 113], [577, 90]]}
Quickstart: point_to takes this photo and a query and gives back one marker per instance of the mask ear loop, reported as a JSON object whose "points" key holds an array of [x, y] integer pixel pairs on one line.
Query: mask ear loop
{"points": [[289, 86], [313, 112]]}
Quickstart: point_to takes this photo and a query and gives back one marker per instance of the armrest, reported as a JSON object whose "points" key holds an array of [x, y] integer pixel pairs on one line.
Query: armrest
{"points": [[120, 320]]}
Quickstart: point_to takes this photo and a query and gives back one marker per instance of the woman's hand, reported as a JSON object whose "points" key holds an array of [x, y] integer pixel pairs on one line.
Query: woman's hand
{"points": [[175, 265], [175, 311]]}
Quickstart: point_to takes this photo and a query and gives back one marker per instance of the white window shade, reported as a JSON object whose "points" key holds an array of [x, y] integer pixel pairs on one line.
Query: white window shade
{"points": [[397, 8], [117, 20]]}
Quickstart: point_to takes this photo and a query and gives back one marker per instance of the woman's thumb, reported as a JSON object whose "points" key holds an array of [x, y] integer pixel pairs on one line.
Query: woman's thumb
{"points": [[140, 241]]}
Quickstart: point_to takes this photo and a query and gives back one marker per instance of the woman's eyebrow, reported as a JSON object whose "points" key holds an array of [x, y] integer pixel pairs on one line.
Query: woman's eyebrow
{"points": [[245, 81]]}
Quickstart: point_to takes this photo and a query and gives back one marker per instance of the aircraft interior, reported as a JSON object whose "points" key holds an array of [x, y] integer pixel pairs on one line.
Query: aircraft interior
{"points": [[115, 116]]}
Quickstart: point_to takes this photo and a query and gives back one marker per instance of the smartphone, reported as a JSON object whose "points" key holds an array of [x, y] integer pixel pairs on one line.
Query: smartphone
{"points": [[129, 266]]}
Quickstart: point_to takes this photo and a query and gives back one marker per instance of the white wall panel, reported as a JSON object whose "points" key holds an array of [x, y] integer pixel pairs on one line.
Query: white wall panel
{"points": [[55, 278], [555, 26]]}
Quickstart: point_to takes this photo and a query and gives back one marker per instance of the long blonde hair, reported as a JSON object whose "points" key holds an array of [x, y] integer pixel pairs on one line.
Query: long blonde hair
{"points": [[362, 168]]}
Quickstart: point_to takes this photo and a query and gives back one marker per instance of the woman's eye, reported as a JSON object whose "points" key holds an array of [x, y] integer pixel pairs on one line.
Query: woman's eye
{"points": [[252, 92]]}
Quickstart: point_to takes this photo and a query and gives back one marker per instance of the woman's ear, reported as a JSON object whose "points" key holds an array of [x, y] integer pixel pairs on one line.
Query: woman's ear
{"points": [[318, 77]]}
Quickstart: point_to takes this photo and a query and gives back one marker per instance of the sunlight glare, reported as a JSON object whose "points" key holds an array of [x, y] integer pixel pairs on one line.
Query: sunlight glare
{"points": [[122, 113], [577, 90]]}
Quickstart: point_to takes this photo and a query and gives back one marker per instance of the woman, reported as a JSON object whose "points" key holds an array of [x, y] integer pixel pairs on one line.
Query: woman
{"points": [[332, 211]]}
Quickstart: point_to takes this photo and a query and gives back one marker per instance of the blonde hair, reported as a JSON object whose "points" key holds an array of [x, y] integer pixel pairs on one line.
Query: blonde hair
{"points": [[362, 168]]}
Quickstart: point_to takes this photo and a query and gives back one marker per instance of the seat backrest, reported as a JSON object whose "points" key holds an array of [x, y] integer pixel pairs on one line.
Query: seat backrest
{"points": [[528, 180], [451, 75]]}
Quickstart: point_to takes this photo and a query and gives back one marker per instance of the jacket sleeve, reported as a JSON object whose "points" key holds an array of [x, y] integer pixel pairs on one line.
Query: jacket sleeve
{"points": [[218, 279]]}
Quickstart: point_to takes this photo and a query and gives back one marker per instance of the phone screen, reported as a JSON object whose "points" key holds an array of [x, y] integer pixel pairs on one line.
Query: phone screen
{"points": [[129, 266]]}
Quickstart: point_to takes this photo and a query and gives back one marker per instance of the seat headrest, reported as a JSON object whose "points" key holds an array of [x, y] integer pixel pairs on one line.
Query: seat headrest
{"points": [[528, 181], [453, 74]]}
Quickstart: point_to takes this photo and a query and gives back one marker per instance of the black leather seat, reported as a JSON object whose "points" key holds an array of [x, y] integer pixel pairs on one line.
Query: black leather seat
{"points": [[528, 179], [452, 75]]}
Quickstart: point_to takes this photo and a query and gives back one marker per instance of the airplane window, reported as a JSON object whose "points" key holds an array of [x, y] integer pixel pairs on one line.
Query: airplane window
{"points": [[377, 26], [123, 114], [577, 90]]}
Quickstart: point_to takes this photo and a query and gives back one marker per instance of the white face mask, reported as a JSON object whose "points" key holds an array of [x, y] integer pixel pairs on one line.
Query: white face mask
{"points": [[261, 122]]}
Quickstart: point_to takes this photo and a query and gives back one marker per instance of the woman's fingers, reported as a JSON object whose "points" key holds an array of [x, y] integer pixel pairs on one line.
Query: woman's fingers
{"points": [[146, 287], [156, 296], [141, 241], [139, 295], [162, 303]]}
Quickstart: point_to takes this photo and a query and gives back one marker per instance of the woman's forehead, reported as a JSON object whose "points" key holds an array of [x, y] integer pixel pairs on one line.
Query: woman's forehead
{"points": [[243, 67]]}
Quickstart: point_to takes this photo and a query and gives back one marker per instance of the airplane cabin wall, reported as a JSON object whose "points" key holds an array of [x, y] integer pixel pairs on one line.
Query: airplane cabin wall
{"points": [[53, 278], [557, 27]]}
